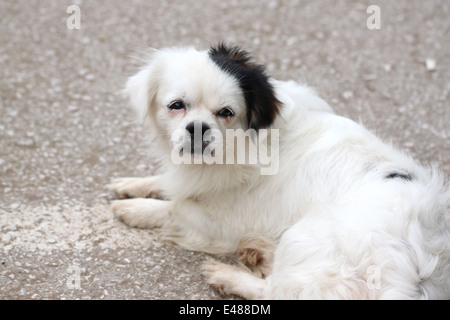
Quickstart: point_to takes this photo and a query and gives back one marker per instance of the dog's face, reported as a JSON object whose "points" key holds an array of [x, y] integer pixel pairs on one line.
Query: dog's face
{"points": [[192, 97]]}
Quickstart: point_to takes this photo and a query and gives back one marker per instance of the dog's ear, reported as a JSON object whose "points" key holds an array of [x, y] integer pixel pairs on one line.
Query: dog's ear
{"points": [[141, 89], [261, 102]]}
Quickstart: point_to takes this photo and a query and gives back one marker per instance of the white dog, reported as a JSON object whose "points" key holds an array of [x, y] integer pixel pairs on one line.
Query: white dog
{"points": [[337, 215]]}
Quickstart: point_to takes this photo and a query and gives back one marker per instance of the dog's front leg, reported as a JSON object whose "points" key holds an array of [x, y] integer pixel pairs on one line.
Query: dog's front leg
{"points": [[196, 226], [148, 187], [183, 222], [142, 213]]}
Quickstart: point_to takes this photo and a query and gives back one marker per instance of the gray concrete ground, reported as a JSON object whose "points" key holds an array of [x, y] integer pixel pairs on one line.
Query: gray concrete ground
{"points": [[65, 132]]}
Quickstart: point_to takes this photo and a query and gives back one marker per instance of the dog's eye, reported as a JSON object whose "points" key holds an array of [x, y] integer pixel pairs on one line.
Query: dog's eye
{"points": [[225, 113], [176, 105]]}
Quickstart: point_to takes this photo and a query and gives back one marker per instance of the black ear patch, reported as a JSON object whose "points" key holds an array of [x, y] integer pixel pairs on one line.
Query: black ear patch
{"points": [[261, 102]]}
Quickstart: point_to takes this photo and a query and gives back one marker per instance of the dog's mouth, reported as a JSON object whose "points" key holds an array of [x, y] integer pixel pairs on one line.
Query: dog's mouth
{"points": [[200, 148]]}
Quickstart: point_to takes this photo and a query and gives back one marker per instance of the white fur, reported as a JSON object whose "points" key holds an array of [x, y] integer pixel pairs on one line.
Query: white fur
{"points": [[341, 229]]}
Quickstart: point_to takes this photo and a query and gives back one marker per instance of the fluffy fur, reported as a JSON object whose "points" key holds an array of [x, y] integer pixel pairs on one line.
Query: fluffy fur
{"points": [[345, 217]]}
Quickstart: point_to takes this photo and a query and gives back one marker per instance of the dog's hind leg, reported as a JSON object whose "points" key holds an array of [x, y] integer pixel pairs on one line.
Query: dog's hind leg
{"points": [[230, 279], [256, 253]]}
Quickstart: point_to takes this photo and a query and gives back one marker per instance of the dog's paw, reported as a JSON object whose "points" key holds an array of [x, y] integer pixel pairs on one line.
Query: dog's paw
{"points": [[127, 212], [217, 275], [141, 213], [125, 188]]}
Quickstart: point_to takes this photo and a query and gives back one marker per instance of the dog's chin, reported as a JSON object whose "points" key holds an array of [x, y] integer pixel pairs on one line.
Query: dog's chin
{"points": [[198, 158]]}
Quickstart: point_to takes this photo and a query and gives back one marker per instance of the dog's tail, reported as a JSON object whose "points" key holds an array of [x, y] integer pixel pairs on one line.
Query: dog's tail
{"points": [[427, 233], [434, 217]]}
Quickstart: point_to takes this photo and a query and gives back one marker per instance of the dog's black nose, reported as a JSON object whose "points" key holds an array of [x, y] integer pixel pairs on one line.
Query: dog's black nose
{"points": [[197, 126], [197, 131]]}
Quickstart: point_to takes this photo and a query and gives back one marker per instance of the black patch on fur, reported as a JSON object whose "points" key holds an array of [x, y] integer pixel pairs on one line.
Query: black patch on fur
{"points": [[401, 175], [261, 102]]}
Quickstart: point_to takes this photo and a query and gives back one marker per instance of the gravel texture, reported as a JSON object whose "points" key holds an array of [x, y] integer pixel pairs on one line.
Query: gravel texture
{"points": [[65, 131]]}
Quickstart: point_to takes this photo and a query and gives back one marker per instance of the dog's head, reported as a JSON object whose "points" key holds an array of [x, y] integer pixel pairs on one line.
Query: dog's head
{"points": [[192, 96]]}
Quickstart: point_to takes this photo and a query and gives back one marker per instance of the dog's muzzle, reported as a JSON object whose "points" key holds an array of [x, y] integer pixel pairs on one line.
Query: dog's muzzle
{"points": [[200, 136]]}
